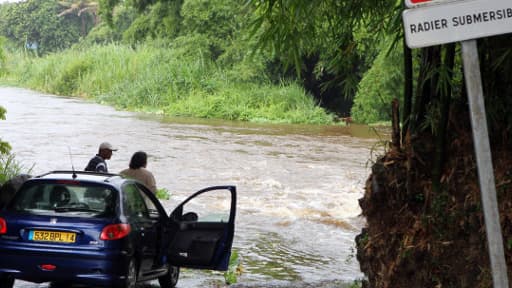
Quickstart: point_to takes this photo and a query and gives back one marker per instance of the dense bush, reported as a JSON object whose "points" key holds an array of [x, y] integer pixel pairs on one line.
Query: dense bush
{"points": [[379, 87]]}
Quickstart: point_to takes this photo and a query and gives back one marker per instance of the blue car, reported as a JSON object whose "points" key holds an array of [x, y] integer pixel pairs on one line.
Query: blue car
{"points": [[97, 229]]}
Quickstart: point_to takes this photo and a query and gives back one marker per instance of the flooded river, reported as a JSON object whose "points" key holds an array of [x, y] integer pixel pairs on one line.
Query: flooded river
{"points": [[298, 185]]}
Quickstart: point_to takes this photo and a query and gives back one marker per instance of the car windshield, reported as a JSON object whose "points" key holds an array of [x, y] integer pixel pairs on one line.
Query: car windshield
{"points": [[66, 199]]}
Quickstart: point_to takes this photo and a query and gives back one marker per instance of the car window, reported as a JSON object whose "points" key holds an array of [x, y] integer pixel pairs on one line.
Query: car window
{"points": [[134, 203], [65, 199], [150, 205], [100, 198], [138, 204], [214, 206]]}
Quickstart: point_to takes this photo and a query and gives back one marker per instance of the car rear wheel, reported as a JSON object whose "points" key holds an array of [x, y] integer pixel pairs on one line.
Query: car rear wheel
{"points": [[131, 276], [6, 281], [59, 285], [171, 278]]}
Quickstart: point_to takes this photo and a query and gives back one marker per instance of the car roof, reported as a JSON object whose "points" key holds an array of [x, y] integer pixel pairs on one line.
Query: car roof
{"points": [[96, 177]]}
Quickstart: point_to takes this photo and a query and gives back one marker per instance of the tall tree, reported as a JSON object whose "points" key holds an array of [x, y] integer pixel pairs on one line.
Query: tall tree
{"points": [[34, 25], [82, 9], [334, 41]]}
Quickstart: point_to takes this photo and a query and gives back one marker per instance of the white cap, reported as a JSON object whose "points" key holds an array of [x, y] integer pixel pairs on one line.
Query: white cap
{"points": [[106, 145]]}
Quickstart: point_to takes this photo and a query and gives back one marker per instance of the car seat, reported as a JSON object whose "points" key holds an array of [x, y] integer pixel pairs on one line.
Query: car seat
{"points": [[96, 197], [59, 196]]}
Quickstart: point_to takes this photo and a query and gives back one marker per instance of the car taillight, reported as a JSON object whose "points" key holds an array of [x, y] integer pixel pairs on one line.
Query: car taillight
{"points": [[3, 226], [115, 231], [47, 267]]}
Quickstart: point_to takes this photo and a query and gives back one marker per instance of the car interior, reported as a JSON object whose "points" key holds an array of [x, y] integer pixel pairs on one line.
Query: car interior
{"points": [[66, 198]]}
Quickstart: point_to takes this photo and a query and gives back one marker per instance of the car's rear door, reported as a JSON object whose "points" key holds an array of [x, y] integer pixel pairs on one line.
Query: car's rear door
{"points": [[203, 227], [146, 221]]}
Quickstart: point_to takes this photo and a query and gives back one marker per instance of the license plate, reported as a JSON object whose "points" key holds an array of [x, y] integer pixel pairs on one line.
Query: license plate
{"points": [[52, 236]]}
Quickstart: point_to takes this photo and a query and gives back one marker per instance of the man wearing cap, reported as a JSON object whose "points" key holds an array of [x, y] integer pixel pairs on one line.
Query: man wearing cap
{"points": [[97, 163]]}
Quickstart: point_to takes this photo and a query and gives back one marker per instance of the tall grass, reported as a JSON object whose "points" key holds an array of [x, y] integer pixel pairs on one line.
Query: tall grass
{"points": [[170, 80], [10, 167]]}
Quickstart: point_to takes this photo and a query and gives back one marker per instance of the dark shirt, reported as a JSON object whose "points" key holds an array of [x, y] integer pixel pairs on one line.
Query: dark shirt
{"points": [[97, 164]]}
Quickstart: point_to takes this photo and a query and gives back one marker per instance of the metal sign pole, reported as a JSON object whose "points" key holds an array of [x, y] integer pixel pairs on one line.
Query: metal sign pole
{"points": [[484, 162]]}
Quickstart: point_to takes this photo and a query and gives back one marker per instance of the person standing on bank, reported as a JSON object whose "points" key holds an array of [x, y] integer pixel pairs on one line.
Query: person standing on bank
{"points": [[139, 172], [97, 163]]}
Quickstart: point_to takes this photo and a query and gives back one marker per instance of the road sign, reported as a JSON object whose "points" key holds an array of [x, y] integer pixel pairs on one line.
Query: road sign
{"points": [[465, 22], [456, 21], [413, 3], [418, 3]]}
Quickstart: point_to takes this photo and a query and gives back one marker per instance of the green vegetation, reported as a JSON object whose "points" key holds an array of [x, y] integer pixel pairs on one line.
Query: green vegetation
{"points": [[10, 167], [356, 284], [234, 268], [4, 146], [152, 78], [163, 193], [331, 44], [199, 58], [37, 27], [378, 87]]}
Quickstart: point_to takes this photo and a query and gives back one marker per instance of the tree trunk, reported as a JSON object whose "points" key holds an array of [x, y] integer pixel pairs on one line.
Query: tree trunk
{"points": [[408, 90], [440, 138]]}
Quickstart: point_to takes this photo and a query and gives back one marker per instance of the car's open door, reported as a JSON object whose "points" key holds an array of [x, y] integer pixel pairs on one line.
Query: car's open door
{"points": [[203, 227]]}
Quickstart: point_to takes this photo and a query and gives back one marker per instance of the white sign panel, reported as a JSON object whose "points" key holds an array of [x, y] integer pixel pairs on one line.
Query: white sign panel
{"points": [[457, 21]]}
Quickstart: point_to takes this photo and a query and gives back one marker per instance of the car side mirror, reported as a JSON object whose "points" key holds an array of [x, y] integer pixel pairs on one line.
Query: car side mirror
{"points": [[190, 216]]}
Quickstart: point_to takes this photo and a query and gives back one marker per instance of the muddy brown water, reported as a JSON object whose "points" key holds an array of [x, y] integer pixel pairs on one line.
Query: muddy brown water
{"points": [[298, 185]]}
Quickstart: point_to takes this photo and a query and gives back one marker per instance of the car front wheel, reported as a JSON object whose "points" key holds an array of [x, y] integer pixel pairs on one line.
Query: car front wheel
{"points": [[171, 278], [6, 281]]}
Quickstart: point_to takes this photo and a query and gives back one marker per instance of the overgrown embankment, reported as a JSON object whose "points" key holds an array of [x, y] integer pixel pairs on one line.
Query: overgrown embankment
{"points": [[419, 238], [168, 80]]}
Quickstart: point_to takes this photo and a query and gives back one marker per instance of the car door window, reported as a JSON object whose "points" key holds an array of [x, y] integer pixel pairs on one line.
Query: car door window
{"points": [[205, 225], [134, 203], [214, 206], [153, 211], [150, 204], [139, 204]]}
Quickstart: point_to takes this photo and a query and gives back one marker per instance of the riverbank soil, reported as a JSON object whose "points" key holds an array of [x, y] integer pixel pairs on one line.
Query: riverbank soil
{"points": [[416, 237]]}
